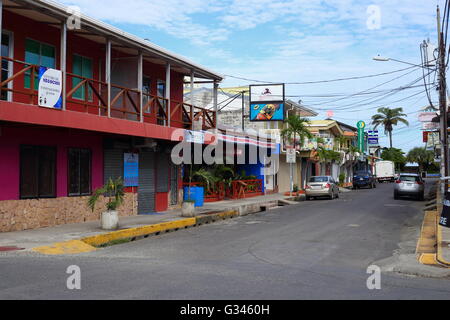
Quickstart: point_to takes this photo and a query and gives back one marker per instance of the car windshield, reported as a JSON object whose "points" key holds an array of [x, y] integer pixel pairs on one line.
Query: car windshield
{"points": [[410, 178], [318, 179]]}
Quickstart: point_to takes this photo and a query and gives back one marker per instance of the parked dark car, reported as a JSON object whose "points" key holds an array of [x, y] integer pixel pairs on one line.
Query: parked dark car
{"points": [[364, 179]]}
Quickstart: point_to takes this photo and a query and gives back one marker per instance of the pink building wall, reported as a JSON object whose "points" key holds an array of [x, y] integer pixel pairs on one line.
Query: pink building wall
{"points": [[12, 136]]}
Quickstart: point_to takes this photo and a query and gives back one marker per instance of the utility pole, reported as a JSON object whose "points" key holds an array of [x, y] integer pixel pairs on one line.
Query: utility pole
{"points": [[443, 101], [243, 110]]}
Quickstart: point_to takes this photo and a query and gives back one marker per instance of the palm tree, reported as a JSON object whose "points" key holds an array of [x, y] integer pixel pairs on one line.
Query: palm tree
{"points": [[423, 157], [389, 118], [297, 127]]}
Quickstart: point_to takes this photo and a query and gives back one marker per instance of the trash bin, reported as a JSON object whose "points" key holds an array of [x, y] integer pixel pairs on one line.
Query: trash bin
{"points": [[197, 194]]}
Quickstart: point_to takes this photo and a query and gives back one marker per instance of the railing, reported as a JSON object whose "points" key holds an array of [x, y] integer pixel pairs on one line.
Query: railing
{"points": [[238, 189], [94, 95], [246, 189], [91, 96], [193, 117]]}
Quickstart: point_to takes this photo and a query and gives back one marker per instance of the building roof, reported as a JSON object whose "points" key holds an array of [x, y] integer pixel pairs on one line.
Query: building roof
{"points": [[53, 12], [345, 126], [316, 125], [304, 111]]}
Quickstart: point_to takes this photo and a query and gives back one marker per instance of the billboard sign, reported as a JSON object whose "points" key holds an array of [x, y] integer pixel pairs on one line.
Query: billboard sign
{"points": [[50, 88], [267, 102]]}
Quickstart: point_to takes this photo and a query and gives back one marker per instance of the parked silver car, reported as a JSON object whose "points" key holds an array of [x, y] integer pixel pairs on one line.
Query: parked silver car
{"points": [[322, 186], [411, 185]]}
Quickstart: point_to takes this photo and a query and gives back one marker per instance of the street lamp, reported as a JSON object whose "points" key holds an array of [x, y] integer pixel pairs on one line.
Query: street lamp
{"points": [[384, 59]]}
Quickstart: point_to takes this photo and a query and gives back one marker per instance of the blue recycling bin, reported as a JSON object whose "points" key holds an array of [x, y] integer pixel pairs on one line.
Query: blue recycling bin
{"points": [[197, 195]]}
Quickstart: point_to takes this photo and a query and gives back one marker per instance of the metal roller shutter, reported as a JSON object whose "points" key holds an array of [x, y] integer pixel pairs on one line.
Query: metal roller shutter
{"points": [[113, 162], [162, 183], [146, 191]]}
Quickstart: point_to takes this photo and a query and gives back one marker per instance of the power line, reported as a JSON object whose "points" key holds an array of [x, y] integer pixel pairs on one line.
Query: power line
{"points": [[323, 81]]}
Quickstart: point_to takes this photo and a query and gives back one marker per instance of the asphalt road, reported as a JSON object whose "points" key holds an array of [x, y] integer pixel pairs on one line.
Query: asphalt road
{"points": [[315, 250]]}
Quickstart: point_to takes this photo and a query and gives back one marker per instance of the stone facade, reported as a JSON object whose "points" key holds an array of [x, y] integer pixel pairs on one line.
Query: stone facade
{"points": [[18, 215]]}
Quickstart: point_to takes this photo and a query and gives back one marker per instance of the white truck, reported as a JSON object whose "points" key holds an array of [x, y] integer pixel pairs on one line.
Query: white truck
{"points": [[385, 171]]}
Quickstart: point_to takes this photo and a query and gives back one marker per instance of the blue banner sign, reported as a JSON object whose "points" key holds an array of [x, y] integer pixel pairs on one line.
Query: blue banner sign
{"points": [[131, 169]]}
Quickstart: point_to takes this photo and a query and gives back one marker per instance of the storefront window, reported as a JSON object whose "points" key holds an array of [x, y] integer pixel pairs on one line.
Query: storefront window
{"points": [[37, 172], [79, 172]]}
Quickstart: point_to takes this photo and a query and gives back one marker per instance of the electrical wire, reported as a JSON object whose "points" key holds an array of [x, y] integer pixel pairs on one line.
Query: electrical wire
{"points": [[322, 81]]}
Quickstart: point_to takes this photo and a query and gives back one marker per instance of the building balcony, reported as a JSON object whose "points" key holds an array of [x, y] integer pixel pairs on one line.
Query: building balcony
{"points": [[98, 98]]}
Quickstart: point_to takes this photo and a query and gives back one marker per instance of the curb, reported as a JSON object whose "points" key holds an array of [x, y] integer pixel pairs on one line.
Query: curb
{"points": [[134, 233], [439, 256], [427, 243], [89, 244], [68, 247]]}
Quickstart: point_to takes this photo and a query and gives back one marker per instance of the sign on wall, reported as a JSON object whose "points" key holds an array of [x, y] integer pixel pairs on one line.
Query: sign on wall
{"points": [[50, 88], [373, 138], [131, 169], [194, 137], [267, 102]]}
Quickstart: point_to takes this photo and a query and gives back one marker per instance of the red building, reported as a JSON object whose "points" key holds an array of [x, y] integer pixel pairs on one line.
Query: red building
{"points": [[119, 95]]}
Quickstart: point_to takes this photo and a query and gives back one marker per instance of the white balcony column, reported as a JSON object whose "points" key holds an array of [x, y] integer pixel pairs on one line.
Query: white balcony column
{"points": [[108, 74], [168, 69], [63, 61], [192, 87], [140, 84], [215, 94]]}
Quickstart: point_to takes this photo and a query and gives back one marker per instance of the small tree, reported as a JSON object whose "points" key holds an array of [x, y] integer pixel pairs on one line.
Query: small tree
{"points": [[423, 157], [297, 127], [342, 178], [113, 190], [395, 155]]}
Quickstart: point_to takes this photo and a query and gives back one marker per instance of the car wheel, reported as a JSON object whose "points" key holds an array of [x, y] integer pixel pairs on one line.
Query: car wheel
{"points": [[337, 195], [396, 197], [421, 197], [308, 198]]}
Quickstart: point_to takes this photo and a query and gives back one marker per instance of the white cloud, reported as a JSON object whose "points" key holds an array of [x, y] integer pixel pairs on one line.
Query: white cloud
{"points": [[285, 40]]}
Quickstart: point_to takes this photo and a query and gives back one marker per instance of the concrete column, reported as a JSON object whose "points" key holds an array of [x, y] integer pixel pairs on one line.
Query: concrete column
{"points": [[168, 69], [63, 62], [140, 84], [192, 87], [215, 93], [108, 73]]}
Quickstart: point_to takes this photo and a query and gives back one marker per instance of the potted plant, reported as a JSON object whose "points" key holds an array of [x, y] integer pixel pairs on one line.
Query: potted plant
{"points": [[113, 190], [342, 179]]}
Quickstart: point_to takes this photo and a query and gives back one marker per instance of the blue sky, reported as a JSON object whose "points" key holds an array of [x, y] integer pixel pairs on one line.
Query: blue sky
{"points": [[294, 41]]}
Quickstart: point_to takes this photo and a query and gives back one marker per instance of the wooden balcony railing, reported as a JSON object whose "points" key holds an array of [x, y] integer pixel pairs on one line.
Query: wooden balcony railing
{"points": [[239, 189], [91, 96]]}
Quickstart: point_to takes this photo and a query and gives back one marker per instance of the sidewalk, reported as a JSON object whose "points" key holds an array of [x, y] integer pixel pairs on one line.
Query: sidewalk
{"points": [[29, 239], [443, 236]]}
